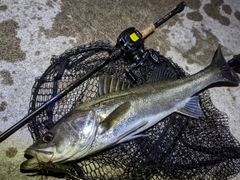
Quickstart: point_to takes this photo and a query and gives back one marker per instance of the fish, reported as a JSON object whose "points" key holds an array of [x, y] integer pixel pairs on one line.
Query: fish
{"points": [[120, 113]]}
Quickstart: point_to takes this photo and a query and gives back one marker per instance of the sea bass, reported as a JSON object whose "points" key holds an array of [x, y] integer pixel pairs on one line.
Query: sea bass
{"points": [[120, 116]]}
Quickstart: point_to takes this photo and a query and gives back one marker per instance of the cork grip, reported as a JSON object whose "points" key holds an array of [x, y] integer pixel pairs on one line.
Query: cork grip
{"points": [[145, 32]]}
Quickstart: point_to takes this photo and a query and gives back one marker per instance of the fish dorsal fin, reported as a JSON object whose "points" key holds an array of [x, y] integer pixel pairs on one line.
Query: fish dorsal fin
{"points": [[115, 116], [162, 73], [109, 84], [192, 108]]}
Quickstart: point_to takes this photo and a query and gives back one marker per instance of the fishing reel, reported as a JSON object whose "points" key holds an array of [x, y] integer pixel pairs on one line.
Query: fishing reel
{"points": [[131, 43]]}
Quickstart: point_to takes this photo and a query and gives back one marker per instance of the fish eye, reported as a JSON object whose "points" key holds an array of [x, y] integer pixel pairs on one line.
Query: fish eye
{"points": [[48, 137]]}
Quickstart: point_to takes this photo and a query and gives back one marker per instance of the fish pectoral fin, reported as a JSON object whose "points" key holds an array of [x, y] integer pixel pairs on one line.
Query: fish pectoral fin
{"points": [[115, 116], [127, 136], [192, 108]]}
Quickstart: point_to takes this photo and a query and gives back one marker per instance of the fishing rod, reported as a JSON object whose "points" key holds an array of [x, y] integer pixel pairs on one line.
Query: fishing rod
{"points": [[129, 43]]}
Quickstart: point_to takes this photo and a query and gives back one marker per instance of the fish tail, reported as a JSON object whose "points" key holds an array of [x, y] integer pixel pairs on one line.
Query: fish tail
{"points": [[223, 72]]}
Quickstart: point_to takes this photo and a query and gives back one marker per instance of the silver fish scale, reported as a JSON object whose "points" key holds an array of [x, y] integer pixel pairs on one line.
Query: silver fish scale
{"points": [[178, 147]]}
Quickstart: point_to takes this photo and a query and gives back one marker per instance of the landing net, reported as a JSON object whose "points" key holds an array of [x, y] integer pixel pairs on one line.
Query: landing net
{"points": [[178, 147]]}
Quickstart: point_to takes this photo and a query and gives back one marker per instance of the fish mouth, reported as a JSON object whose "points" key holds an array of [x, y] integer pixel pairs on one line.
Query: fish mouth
{"points": [[34, 158], [31, 164]]}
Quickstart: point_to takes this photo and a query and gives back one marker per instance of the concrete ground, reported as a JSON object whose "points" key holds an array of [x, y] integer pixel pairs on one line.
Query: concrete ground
{"points": [[32, 31]]}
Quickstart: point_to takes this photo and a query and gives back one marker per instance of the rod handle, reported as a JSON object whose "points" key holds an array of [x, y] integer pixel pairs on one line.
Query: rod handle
{"points": [[150, 29], [147, 31]]}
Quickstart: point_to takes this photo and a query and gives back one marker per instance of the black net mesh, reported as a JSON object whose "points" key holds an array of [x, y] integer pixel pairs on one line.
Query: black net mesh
{"points": [[178, 147]]}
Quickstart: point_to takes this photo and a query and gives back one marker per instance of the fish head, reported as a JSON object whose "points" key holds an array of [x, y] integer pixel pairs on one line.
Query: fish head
{"points": [[73, 134], [43, 150]]}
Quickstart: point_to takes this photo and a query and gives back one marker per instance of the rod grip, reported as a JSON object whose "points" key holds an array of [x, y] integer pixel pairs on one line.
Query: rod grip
{"points": [[145, 32]]}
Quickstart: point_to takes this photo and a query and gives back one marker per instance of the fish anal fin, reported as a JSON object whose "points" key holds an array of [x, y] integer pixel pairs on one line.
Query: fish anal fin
{"points": [[192, 108], [115, 116]]}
